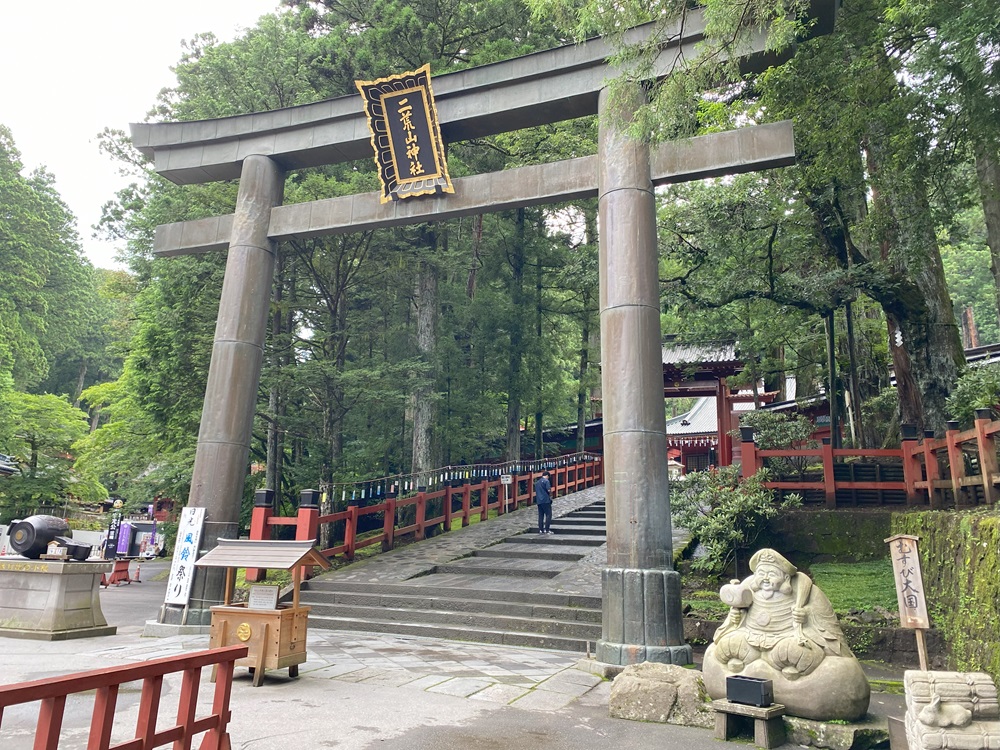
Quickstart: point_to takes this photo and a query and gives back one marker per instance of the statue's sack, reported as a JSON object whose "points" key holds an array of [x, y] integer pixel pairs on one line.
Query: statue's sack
{"points": [[973, 691]]}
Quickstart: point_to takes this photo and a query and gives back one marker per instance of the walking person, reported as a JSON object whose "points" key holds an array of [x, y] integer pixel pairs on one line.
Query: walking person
{"points": [[543, 499]]}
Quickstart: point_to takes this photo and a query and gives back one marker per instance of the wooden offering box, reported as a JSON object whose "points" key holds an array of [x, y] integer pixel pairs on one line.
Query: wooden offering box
{"points": [[275, 633]]}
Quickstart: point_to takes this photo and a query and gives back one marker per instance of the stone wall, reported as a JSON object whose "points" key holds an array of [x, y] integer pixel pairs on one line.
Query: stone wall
{"points": [[960, 562], [807, 537]]}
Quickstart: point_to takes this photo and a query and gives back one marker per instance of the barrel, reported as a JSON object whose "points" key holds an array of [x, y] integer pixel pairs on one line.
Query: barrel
{"points": [[31, 536]]}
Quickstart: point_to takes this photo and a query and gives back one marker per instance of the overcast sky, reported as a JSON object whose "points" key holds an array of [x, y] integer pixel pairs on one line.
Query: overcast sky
{"points": [[70, 68]]}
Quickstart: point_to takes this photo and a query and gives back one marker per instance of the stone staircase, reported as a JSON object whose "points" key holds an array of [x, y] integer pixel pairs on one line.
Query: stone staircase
{"points": [[505, 593]]}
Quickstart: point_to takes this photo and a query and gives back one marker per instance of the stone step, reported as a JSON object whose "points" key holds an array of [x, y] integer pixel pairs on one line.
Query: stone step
{"points": [[465, 568], [589, 530], [530, 552], [478, 621], [557, 539], [575, 521], [551, 598], [453, 605], [457, 633]]}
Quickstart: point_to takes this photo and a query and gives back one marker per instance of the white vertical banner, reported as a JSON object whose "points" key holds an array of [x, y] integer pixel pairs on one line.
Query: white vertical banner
{"points": [[185, 553]]}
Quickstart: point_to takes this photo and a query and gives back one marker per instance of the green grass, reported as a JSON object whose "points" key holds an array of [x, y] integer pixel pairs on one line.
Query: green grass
{"points": [[860, 585]]}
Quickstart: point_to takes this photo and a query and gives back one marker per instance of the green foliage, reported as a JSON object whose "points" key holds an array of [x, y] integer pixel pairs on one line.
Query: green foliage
{"points": [[726, 514], [977, 388], [776, 430], [44, 430]]}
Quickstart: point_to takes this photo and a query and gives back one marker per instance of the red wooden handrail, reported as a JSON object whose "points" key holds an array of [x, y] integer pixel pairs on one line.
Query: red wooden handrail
{"points": [[586, 472], [931, 467], [52, 692]]}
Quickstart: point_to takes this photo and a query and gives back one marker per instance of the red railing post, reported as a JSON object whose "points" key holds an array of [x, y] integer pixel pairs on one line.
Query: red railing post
{"points": [[448, 490], [829, 480], [987, 454], [748, 453], [484, 500], [307, 522], [263, 509], [351, 531], [911, 462], [389, 523], [421, 513], [466, 501], [933, 470], [956, 462]]}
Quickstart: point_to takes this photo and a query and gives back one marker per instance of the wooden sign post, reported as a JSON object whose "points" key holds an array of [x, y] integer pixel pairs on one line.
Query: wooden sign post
{"points": [[910, 589]]}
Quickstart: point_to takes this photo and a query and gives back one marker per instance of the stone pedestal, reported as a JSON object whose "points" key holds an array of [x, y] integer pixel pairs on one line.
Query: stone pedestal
{"points": [[51, 601]]}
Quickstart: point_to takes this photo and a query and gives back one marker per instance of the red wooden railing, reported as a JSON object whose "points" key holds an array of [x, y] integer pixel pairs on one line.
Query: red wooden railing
{"points": [[957, 470], [52, 692], [462, 497]]}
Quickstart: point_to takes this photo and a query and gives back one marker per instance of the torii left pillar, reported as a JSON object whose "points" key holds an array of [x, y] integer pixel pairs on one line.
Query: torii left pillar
{"points": [[220, 463]]}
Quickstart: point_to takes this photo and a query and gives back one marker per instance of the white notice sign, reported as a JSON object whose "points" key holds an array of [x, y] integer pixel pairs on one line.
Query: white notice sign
{"points": [[263, 597], [185, 553], [506, 479]]}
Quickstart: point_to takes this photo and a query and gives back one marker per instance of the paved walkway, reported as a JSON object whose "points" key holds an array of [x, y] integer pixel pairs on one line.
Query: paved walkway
{"points": [[360, 691]]}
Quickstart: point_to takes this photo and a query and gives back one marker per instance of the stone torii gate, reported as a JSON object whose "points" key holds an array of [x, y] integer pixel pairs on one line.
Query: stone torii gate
{"points": [[642, 610]]}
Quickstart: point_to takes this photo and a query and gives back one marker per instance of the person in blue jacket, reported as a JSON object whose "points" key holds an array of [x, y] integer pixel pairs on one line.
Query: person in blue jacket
{"points": [[543, 499]]}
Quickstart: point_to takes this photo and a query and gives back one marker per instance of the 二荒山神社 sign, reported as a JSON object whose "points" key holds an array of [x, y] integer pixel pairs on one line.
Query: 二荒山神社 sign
{"points": [[406, 136]]}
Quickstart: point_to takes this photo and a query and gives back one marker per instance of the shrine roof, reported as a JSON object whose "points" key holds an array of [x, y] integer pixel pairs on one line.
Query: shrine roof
{"points": [[254, 553]]}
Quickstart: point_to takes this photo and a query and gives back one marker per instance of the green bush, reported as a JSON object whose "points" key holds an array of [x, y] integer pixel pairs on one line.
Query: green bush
{"points": [[977, 388], [726, 514], [776, 431]]}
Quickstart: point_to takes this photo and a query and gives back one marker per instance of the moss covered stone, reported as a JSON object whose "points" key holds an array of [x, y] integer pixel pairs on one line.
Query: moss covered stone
{"points": [[845, 535], [960, 562]]}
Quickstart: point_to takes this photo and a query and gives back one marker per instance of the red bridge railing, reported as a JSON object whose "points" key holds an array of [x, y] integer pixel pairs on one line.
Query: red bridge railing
{"points": [[416, 511], [957, 470], [53, 692]]}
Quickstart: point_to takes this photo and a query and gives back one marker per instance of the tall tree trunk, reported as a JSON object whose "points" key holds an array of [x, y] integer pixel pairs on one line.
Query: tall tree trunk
{"points": [[80, 380], [516, 356], [581, 377], [426, 303], [988, 176], [539, 363]]}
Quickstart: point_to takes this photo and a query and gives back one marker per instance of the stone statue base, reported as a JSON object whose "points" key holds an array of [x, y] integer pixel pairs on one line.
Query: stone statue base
{"points": [[51, 601], [836, 689]]}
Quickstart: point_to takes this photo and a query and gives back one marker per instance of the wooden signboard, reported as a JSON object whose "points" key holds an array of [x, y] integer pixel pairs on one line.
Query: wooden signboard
{"points": [[910, 588]]}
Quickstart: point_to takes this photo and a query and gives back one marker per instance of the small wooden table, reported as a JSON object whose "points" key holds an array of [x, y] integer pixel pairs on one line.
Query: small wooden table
{"points": [[768, 727]]}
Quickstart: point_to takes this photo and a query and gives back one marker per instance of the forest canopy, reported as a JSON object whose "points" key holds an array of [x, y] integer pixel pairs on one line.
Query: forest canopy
{"points": [[401, 350]]}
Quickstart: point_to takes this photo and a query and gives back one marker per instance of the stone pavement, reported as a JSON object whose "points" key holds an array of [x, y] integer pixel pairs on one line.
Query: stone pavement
{"points": [[360, 690]]}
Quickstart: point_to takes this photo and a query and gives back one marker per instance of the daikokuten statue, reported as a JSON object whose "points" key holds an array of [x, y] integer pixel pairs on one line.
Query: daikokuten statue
{"points": [[782, 628]]}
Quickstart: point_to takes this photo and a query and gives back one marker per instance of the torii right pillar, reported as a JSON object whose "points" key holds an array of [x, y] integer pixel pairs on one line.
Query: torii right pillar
{"points": [[642, 619]]}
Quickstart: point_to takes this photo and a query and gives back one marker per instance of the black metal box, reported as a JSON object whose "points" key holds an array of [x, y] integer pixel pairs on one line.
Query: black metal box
{"points": [[751, 691]]}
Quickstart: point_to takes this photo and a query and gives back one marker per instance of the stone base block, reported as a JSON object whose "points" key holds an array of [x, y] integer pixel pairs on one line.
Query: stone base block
{"points": [[51, 600], [660, 692], [857, 735]]}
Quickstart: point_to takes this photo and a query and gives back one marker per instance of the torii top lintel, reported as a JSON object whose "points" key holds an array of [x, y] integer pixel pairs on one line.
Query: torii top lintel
{"points": [[537, 89]]}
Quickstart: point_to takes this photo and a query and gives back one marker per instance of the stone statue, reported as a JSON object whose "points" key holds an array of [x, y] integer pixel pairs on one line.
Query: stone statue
{"points": [[781, 627]]}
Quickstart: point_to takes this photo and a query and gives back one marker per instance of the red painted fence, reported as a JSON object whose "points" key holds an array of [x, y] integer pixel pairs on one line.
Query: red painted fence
{"points": [[457, 496], [954, 471], [52, 693]]}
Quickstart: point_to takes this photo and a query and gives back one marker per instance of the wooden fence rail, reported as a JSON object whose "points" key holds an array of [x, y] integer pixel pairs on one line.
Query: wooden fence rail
{"points": [[957, 470], [418, 512], [53, 692]]}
